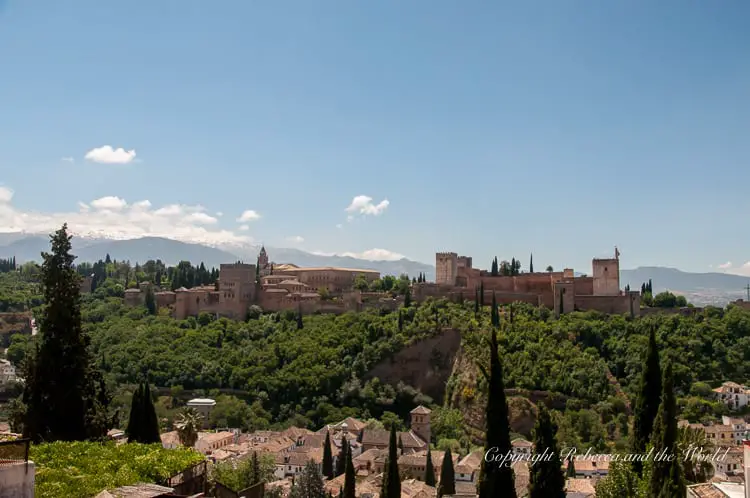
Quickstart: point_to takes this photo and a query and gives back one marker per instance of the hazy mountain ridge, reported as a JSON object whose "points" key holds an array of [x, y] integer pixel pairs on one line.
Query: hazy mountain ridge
{"points": [[170, 251]]}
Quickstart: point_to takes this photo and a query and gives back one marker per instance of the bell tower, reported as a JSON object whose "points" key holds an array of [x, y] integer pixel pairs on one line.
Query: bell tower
{"points": [[420, 422]]}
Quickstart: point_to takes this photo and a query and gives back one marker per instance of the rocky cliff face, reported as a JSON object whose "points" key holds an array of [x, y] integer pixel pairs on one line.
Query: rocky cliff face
{"points": [[425, 365], [440, 368]]}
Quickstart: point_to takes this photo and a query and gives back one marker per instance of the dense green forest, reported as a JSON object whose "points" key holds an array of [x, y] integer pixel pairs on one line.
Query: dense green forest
{"points": [[270, 372]]}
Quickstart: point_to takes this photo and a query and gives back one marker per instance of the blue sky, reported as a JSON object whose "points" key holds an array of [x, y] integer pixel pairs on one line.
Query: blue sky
{"points": [[491, 128]]}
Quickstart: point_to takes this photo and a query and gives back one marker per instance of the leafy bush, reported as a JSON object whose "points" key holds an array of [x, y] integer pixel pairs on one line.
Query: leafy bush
{"points": [[83, 469]]}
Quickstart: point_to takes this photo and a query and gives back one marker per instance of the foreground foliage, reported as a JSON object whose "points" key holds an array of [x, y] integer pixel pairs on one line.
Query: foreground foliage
{"points": [[83, 469]]}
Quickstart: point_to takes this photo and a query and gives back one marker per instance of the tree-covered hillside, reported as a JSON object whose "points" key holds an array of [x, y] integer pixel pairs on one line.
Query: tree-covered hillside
{"points": [[277, 369]]}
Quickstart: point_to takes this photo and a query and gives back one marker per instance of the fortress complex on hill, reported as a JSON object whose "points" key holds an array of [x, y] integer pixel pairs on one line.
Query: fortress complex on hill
{"points": [[331, 290], [562, 291]]}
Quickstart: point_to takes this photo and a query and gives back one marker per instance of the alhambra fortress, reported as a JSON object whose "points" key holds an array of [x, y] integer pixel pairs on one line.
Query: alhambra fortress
{"points": [[277, 287]]}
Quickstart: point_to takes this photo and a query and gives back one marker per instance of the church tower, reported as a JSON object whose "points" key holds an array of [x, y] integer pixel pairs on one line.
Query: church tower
{"points": [[420, 423], [264, 268]]}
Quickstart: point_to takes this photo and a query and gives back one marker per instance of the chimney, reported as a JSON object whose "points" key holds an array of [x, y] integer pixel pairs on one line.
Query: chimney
{"points": [[746, 465]]}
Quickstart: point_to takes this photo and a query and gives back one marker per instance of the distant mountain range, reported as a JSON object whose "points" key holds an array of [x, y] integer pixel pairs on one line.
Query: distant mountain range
{"points": [[699, 288], [29, 248]]}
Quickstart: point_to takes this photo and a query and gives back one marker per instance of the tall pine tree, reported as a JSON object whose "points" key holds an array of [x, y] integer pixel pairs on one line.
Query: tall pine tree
{"points": [[531, 264], [647, 402], [494, 479], [447, 476], [547, 479], [391, 487], [349, 477], [667, 480], [341, 460], [327, 457], [429, 469], [60, 392]]}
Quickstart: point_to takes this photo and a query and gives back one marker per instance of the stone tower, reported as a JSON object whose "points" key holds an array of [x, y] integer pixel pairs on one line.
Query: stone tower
{"points": [[263, 267], [446, 268], [420, 422], [607, 275]]}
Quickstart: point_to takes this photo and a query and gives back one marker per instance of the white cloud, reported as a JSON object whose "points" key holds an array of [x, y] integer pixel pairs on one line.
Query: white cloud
{"points": [[732, 269], [743, 269], [219, 214], [108, 155], [201, 218], [109, 202], [339, 225], [369, 254], [244, 228], [296, 239], [68, 159], [362, 204], [248, 215], [142, 204], [170, 210], [6, 195], [114, 217]]}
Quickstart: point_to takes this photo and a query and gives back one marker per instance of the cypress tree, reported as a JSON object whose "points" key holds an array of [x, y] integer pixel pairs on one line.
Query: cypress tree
{"points": [[547, 479], [447, 476], [400, 446], [496, 480], [151, 426], [513, 266], [667, 479], [60, 393], [349, 477], [429, 469], [493, 268], [135, 421], [571, 472], [481, 293], [494, 313], [647, 402], [327, 457], [150, 301], [407, 298], [476, 301], [341, 460], [531, 264], [300, 324], [391, 487]]}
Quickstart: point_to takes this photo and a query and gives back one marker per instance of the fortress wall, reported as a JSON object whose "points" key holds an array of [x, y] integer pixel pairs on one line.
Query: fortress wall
{"points": [[583, 286], [615, 305]]}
